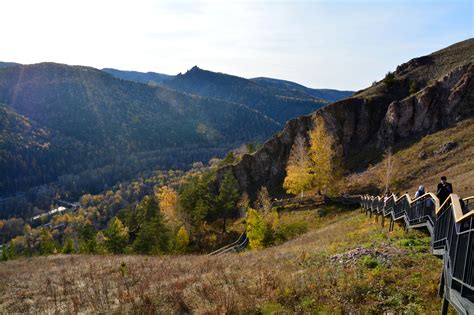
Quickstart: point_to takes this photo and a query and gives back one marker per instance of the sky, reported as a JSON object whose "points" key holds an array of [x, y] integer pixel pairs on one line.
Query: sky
{"points": [[340, 44]]}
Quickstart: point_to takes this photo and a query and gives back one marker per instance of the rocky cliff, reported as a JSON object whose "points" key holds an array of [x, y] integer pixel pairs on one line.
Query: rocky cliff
{"points": [[425, 95]]}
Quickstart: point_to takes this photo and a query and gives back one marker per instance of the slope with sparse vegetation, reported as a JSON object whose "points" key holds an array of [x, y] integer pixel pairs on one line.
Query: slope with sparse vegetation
{"points": [[345, 263]]}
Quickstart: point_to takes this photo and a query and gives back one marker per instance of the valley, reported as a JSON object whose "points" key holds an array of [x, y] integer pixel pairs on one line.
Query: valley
{"points": [[204, 192]]}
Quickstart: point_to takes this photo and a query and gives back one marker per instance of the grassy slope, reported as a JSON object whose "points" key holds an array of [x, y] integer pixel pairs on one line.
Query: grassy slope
{"points": [[410, 171], [298, 276]]}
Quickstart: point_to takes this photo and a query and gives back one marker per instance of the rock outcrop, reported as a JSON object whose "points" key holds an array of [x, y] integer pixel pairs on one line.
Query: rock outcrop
{"points": [[375, 118], [435, 107]]}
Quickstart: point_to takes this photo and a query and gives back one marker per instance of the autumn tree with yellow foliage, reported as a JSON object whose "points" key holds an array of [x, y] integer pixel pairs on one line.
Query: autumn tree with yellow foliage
{"points": [[168, 202], [327, 166], [298, 169], [318, 166]]}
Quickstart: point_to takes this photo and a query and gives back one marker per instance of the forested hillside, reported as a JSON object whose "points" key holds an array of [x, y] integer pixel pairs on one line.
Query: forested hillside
{"points": [[85, 130], [279, 104], [329, 95], [152, 78]]}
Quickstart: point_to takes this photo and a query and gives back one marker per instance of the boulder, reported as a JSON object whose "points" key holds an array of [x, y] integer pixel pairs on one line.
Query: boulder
{"points": [[445, 148]]}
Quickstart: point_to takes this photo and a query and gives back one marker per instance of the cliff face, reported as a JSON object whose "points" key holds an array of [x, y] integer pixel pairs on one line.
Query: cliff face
{"points": [[267, 166], [377, 117], [435, 107]]}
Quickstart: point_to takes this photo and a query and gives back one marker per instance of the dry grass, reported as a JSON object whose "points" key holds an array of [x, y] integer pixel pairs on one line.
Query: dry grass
{"points": [[411, 171], [296, 277]]}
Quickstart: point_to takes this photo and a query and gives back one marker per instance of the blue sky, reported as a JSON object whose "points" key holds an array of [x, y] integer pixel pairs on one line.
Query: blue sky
{"points": [[323, 44]]}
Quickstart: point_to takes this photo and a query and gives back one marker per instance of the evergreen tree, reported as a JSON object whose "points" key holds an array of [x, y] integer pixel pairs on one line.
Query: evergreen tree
{"points": [[228, 197], [68, 247], [116, 236], [150, 207], [153, 237], [195, 201], [298, 170], [88, 244]]}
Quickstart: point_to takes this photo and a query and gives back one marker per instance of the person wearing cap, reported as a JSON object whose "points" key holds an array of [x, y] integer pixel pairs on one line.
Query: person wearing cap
{"points": [[444, 190]]}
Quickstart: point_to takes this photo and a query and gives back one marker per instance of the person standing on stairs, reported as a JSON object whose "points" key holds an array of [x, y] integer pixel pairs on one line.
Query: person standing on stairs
{"points": [[444, 190], [420, 192]]}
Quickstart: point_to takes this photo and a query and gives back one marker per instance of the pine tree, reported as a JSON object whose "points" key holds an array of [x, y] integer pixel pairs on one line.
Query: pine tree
{"points": [[298, 170], [116, 236], [228, 197], [327, 166], [153, 237], [88, 244], [194, 201], [150, 207]]}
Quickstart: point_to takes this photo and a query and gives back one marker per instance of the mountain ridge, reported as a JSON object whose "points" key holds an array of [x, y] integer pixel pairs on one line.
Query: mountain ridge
{"points": [[143, 77], [331, 95], [278, 104]]}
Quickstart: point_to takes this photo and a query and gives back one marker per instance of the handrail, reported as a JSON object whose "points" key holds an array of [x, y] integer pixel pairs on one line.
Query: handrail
{"points": [[452, 234], [219, 250], [237, 244], [235, 248], [459, 216]]}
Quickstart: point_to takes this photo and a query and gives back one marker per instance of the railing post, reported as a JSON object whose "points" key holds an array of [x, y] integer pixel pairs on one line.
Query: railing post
{"points": [[444, 307], [441, 284]]}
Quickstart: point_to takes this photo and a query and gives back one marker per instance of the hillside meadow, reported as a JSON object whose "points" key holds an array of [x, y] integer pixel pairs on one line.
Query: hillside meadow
{"points": [[346, 263]]}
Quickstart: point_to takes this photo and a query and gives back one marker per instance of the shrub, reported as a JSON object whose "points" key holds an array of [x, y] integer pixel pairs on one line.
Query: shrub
{"points": [[272, 308], [68, 247], [369, 262], [289, 231], [413, 87], [389, 79]]}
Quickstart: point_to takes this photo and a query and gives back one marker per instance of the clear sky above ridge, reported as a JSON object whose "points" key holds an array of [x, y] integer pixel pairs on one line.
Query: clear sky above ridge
{"points": [[321, 44]]}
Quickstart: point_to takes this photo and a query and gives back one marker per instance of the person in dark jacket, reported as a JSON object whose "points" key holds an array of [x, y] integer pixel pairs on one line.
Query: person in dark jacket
{"points": [[444, 190]]}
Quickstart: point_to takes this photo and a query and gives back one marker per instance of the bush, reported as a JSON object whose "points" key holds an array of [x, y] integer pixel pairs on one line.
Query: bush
{"points": [[273, 308], [369, 262], [389, 79], [289, 231], [413, 87]]}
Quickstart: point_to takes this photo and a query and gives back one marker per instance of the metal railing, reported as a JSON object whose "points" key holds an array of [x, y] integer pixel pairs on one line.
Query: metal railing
{"points": [[451, 225], [236, 246]]}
